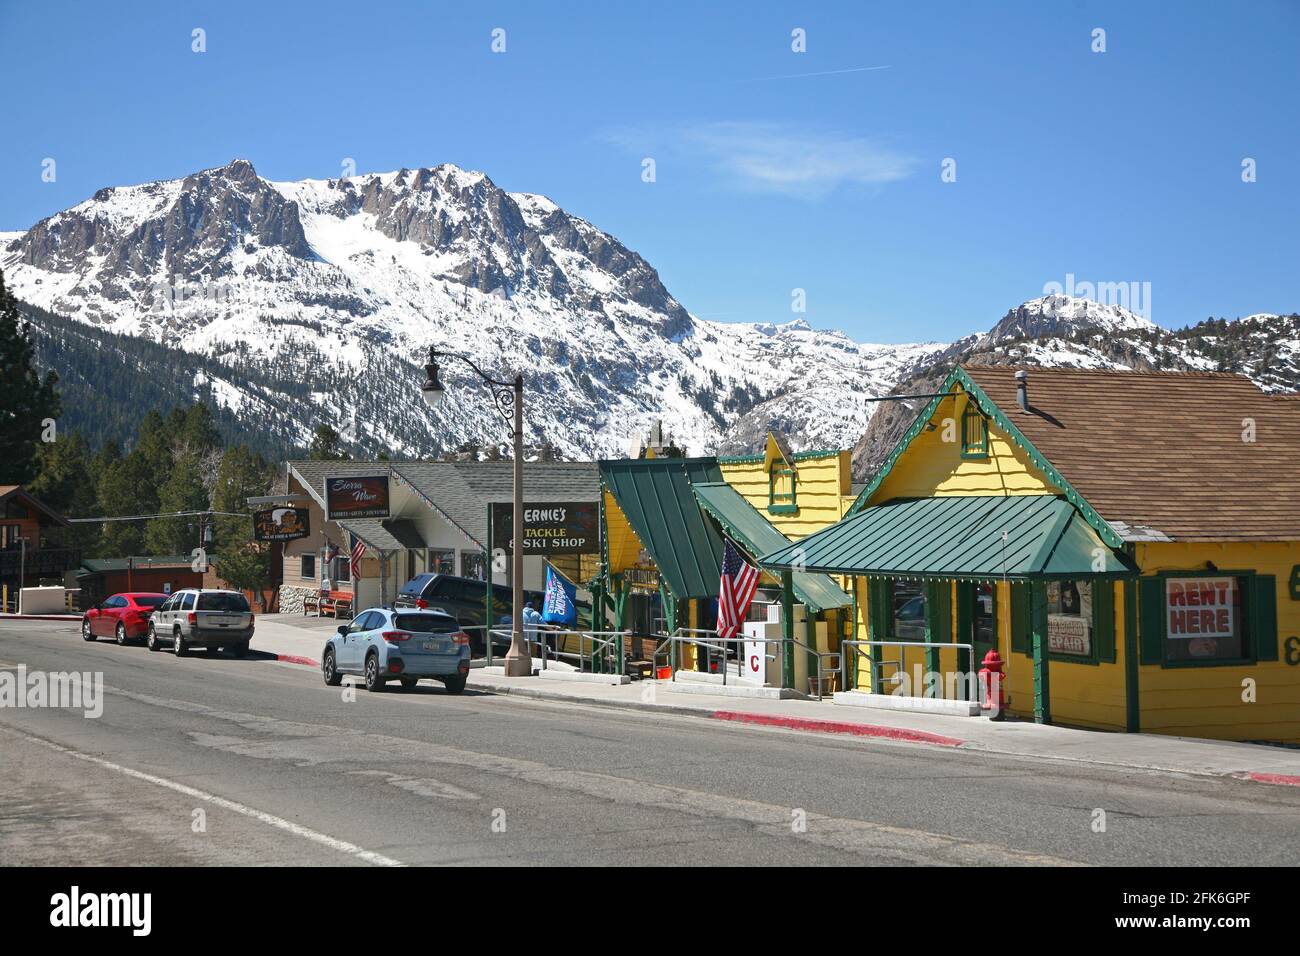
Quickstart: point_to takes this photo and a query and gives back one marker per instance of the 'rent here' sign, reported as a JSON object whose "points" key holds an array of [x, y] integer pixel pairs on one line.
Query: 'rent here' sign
{"points": [[1201, 607]]}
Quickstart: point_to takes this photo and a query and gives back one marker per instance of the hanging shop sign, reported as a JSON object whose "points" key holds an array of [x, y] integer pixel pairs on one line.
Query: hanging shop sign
{"points": [[356, 497], [1201, 607], [281, 524], [550, 527]]}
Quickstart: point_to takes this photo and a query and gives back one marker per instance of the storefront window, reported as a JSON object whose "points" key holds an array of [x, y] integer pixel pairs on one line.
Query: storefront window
{"points": [[1204, 619], [1069, 618], [909, 611], [985, 616], [307, 567], [442, 562], [342, 569], [472, 565]]}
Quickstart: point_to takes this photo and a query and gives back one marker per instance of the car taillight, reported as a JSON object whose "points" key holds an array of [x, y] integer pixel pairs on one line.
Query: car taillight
{"points": [[396, 637], [460, 637], [421, 603], [192, 617]]}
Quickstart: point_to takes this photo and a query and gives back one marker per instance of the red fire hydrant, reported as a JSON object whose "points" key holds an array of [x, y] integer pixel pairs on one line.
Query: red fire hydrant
{"points": [[993, 693]]}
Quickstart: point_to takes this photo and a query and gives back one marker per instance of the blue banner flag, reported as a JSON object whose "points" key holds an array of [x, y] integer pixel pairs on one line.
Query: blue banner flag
{"points": [[558, 607]]}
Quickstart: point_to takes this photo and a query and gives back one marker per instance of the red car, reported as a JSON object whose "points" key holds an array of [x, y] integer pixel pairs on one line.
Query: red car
{"points": [[123, 616]]}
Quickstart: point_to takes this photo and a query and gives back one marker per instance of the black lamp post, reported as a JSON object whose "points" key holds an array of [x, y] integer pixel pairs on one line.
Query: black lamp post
{"points": [[509, 399]]}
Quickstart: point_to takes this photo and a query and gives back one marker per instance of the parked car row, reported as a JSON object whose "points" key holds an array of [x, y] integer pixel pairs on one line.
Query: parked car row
{"points": [[191, 618]]}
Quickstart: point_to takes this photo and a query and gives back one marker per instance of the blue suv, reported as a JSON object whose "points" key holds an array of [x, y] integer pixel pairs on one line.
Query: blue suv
{"points": [[383, 645]]}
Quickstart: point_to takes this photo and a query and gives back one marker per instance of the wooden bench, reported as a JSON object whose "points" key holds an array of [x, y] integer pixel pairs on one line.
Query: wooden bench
{"points": [[336, 603]]}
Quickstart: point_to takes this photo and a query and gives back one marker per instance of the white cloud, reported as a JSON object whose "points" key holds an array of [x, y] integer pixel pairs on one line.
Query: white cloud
{"points": [[801, 161]]}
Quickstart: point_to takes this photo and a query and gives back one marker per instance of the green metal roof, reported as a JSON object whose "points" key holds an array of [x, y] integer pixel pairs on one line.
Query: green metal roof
{"points": [[958, 537], [755, 534], [655, 495]]}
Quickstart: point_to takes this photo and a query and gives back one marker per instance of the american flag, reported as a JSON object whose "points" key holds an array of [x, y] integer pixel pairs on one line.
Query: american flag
{"points": [[735, 591], [358, 549]]}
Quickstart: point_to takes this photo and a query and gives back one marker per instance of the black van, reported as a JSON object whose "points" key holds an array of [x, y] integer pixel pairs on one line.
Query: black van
{"points": [[463, 599]]}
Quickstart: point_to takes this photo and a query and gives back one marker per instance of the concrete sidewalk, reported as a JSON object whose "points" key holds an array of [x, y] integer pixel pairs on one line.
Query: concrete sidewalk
{"points": [[299, 640]]}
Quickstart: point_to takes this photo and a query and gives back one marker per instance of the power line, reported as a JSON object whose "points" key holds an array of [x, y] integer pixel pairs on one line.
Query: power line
{"points": [[176, 514]]}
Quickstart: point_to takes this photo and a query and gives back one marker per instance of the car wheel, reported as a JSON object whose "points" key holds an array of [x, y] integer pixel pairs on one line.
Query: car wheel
{"points": [[238, 650], [373, 683], [151, 641], [409, 683], [86, 634], [179, 647], [121, 635], [332, 676], [454, 684]]}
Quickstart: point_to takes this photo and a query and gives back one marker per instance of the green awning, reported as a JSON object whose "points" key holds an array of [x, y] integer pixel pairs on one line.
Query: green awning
{"points": [[655, 496], [959, 537], [756, 535]]}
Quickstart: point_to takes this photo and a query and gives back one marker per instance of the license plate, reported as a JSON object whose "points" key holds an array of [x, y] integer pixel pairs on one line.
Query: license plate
{"points": [[432, 646]]}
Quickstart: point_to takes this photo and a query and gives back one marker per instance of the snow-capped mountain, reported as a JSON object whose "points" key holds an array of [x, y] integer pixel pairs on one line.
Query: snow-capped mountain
{"points": [[289, 304], [343, 284]]}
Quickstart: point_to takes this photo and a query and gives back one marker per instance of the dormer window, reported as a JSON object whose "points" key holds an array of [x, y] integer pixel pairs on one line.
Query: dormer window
{"points": [[974, 432], [781, 489]]}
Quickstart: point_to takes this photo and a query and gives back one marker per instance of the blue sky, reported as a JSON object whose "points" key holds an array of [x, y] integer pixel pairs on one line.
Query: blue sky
{"points": [[1122, 166]]}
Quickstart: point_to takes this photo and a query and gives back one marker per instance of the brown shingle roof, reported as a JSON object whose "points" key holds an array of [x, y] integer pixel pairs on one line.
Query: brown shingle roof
{"points": [[1160, 455]]}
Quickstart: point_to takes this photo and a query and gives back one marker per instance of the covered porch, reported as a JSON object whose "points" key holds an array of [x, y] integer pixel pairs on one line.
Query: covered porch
{"points": [[960, 575]]}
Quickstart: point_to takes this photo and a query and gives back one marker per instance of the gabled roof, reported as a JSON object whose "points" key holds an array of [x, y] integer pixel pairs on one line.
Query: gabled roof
{"points": [[1164, 455], [459, 491], [655, 496], [959, 536], [757, 536], [17, 492], [1146, 456]]}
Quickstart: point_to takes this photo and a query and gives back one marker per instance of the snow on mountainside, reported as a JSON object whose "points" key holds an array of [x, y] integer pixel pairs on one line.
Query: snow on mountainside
{"points": [[342, 285], [289, 304]]}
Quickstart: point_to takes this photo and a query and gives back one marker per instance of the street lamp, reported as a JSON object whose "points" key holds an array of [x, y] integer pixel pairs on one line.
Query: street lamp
{"points": [[509, 400]]}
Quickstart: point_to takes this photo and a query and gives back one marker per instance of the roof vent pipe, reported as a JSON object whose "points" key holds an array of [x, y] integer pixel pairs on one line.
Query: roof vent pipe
{"points": [[1022, 389]]}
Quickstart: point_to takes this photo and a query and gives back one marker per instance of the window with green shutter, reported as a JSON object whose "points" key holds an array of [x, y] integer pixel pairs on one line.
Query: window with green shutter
{"points": [[1208, 618]]}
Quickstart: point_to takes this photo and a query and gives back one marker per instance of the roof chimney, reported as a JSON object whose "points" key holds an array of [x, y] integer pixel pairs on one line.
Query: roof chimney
{"points": [[1022, 389]]}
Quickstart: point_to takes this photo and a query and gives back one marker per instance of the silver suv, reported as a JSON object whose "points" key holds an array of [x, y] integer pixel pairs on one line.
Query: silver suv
{"points": [[205, 618]]}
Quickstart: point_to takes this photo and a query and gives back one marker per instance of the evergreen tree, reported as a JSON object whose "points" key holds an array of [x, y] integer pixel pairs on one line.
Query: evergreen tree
{"points": [[26, 399], [325, 445], [247, 567], [242, 475], [183, 491], [119, 486], [62, 482]]}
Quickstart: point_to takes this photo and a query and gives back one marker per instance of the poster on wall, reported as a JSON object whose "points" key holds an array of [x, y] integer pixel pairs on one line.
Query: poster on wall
{"points": [[351, 497], [553, 527], [1069, 634], [281, 524]]}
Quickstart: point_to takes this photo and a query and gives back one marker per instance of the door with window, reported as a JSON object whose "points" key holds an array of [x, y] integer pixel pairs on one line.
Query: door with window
{"points": [[977, 618]]}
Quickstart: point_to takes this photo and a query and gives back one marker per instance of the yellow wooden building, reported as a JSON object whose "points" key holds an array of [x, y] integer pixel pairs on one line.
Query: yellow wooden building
{"points": [[1128, 541], [664, 521]]}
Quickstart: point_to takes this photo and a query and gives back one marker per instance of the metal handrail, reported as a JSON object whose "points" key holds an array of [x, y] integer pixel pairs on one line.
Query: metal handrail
{"points": [[856, 648], [712, 644], [599, 642]]}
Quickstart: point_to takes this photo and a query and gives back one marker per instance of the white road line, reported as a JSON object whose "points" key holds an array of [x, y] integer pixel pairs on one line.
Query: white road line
{"points": [[342, 846]]}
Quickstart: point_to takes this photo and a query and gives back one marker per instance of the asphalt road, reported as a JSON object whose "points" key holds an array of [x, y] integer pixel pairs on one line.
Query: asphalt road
{"points": [[221, 761]]}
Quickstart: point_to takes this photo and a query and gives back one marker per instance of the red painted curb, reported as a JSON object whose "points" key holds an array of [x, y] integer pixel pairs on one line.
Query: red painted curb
{"points": [[294, 659], [40, 617], [1285, 779], [838, 727]]}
